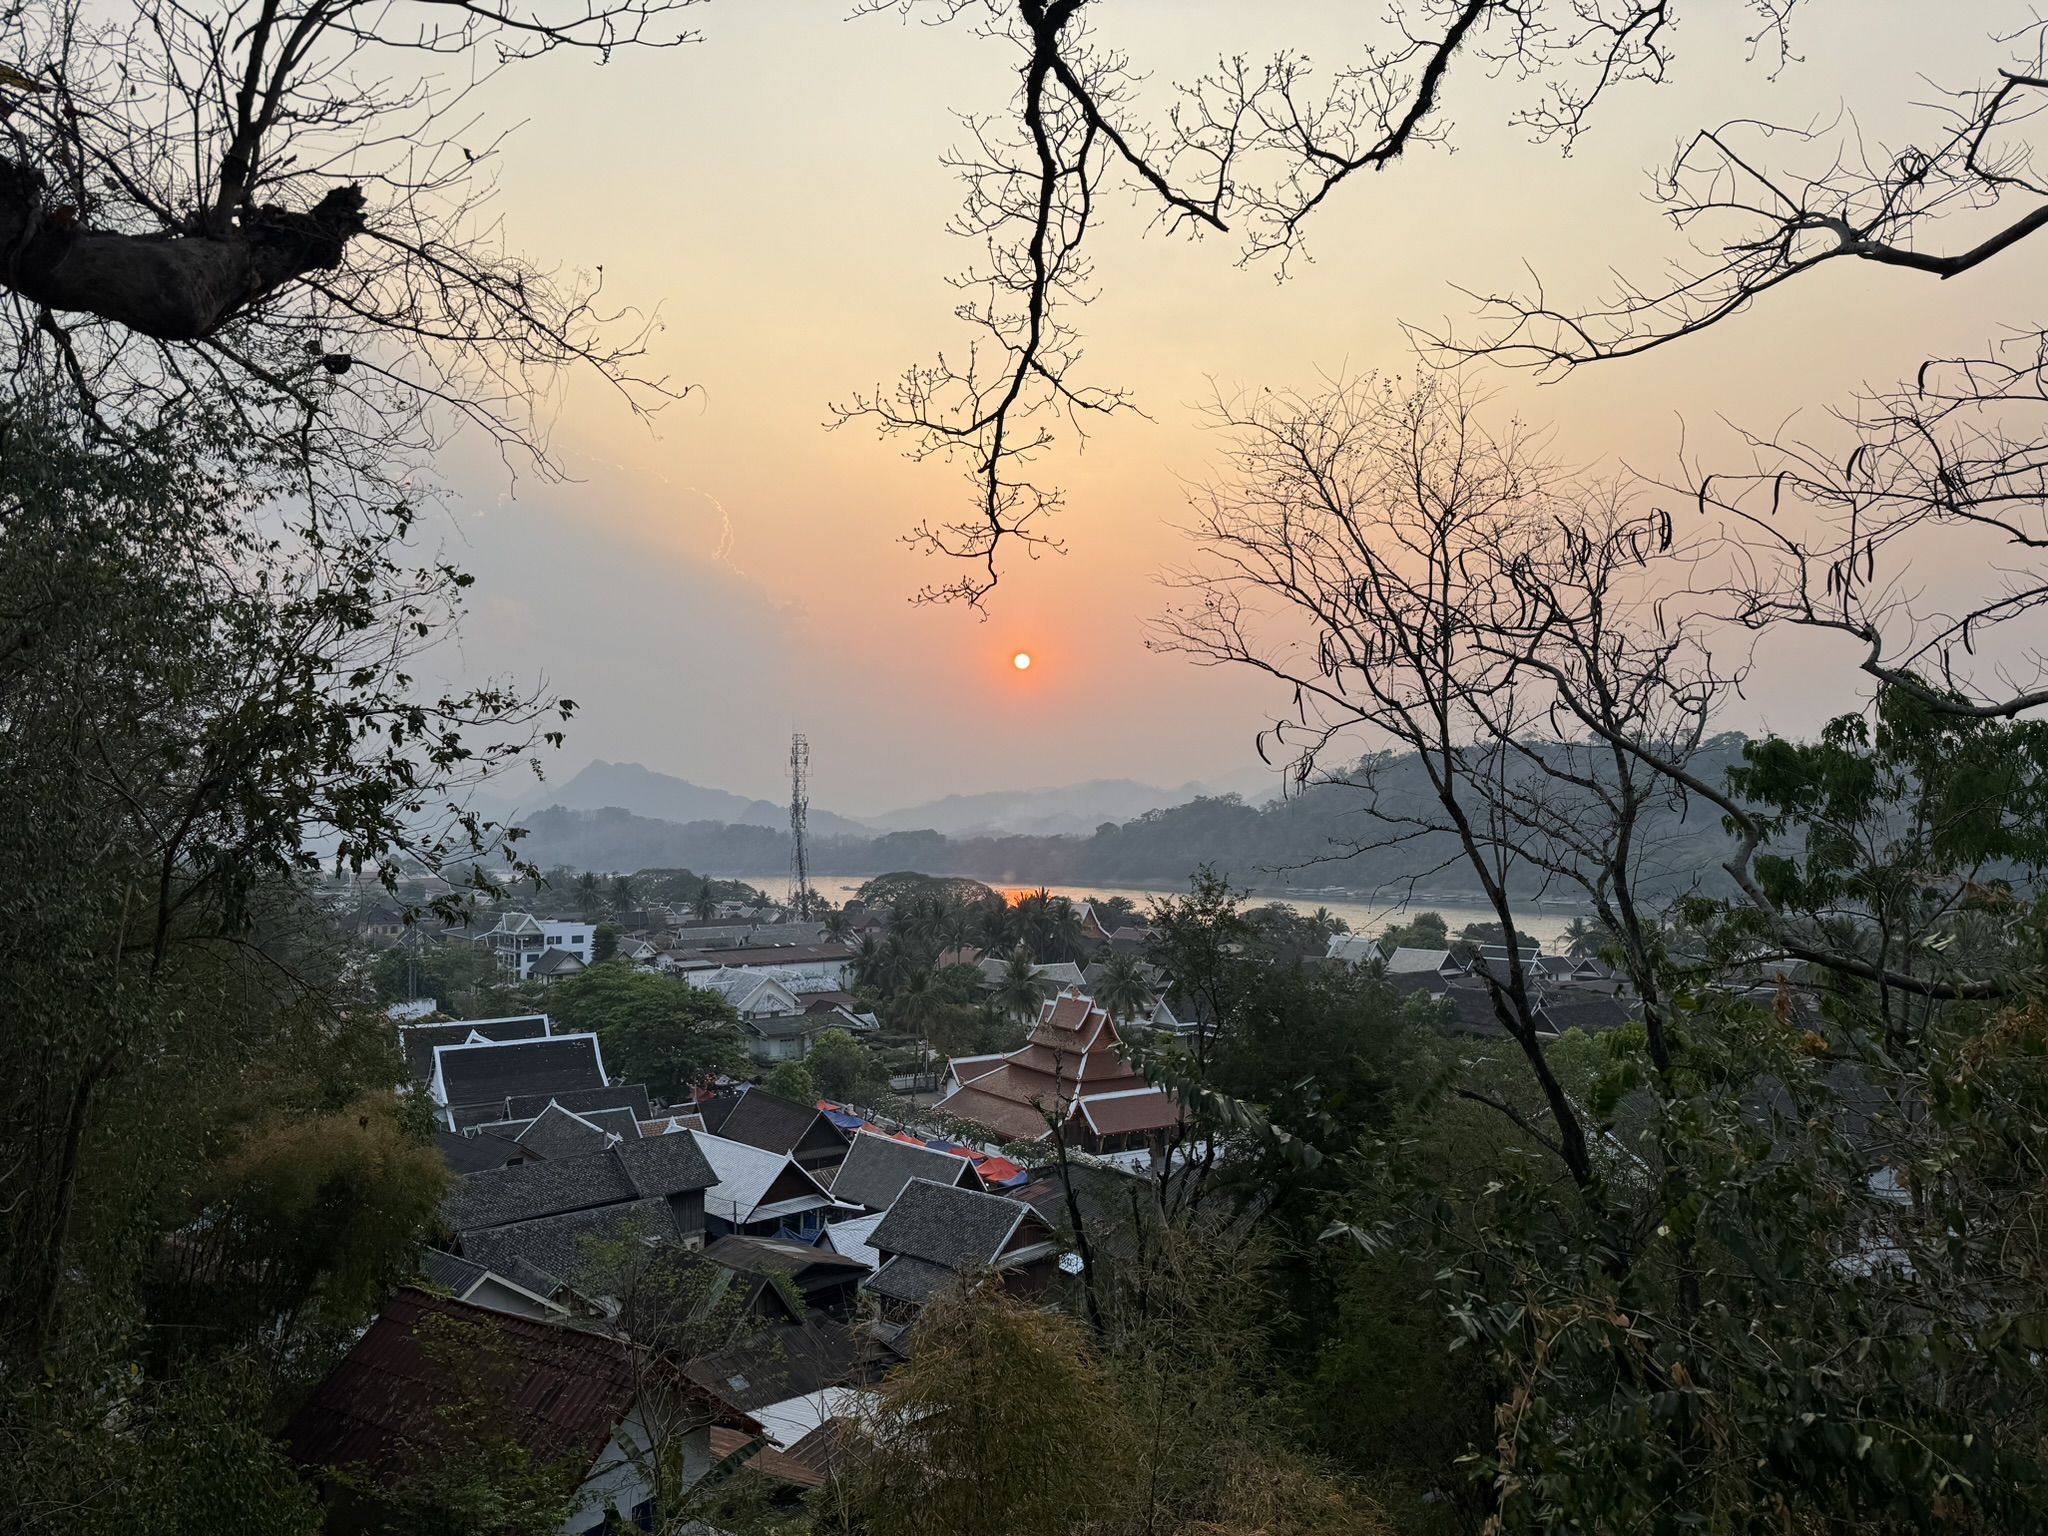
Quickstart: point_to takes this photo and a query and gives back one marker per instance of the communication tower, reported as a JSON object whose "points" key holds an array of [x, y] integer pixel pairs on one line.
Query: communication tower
{"points": [[801, 897]]}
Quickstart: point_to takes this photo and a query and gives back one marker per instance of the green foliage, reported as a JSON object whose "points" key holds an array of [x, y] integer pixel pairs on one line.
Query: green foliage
{"points": [[1017, 990], [307, 1222], [1427, 930], [1001, 1425], [604, 943], [791, 1080], [842, 1068], [462, 1471], [456, 975], [189, 1457], [653, 1029]]}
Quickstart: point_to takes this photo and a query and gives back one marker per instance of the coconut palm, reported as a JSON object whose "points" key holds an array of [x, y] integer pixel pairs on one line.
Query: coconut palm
{"points": [[623, 892], [705, 904], [1065, 938], [590, 892], [1018, 989], [1582, 940], [1122, 988]]}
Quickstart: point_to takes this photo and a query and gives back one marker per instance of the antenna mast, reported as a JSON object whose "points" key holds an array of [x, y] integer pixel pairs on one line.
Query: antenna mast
{"points": [[800, 897]]}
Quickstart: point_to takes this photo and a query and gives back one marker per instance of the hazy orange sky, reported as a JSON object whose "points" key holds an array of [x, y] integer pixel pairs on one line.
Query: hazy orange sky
{"points": [[734, 572]]}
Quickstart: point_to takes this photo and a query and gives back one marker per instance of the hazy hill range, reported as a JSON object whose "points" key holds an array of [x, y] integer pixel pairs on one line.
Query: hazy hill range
{"points": [[1319, 837], [1068, 809], [1062, 809], [661, 797]]}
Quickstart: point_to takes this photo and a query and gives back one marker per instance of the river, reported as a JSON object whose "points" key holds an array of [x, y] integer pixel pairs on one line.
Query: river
{"points": [[1546, 922]]}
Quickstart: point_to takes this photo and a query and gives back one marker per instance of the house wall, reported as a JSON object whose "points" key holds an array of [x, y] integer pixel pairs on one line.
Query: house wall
{"points": [[688, 1209], [616, 1479]]}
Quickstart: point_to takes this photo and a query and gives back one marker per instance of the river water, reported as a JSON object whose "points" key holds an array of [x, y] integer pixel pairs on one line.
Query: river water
{"points": [[1546, 922]]}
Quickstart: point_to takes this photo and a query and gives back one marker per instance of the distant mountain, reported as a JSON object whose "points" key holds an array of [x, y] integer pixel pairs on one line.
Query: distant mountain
{"points": [[1322, 835], [1066, 810], [662, 797]]}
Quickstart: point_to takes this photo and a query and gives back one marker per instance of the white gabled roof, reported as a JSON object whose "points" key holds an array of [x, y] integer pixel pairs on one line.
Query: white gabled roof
{"points": [[849, 1239], [1411, 962], [744, 1176]]}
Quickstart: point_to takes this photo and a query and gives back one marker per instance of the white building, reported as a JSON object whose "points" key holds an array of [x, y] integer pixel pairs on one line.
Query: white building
{"points": [[520, 939]]}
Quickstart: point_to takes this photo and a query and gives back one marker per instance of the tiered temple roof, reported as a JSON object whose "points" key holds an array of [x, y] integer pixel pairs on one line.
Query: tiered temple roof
{"points": [[1069, 1067]]}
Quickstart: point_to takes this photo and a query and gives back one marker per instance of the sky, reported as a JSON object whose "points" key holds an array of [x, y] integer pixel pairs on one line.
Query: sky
{"points": [[707, 583]]}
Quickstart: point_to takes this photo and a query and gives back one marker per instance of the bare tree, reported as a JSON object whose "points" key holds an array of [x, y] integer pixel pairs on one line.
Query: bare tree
{"points": [[1255, 147], [1834, 529], [1358, 555], [275, 210]]}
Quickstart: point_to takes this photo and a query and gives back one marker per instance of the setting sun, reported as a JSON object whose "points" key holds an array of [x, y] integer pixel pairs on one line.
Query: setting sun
{"points": [[1021, 661]]}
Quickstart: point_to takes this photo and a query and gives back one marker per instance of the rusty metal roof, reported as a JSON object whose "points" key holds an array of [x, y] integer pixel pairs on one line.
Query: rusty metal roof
{"points": [[558, 1391]]}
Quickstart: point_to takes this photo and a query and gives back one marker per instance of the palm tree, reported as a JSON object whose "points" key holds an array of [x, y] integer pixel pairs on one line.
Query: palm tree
{"points": [[995, 925], [1122, 988], [590, 890], [870, 964], [1582, 940], [705, 904], [1065, 939], [1018, 989], [622, 893], [835, 923], [1029, 920]]}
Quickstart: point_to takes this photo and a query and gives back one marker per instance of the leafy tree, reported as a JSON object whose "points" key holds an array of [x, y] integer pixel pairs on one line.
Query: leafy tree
{"points": [[653, 1029], [1001, 1425], [841, 1067], [792, 1080], [1202, 944], [455, 974], [1428, 930], [604, 942], [305, 1227]]}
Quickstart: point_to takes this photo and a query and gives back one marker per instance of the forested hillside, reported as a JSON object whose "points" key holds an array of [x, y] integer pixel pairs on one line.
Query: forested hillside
{"points": [[1351, 833]]}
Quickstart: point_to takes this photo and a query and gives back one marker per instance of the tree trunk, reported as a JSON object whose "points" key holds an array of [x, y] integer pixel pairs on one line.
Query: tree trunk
{"points": [[174, 287]]}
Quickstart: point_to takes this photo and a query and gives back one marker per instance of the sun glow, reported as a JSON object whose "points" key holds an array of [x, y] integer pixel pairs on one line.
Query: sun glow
{"points": [[1021, 661]]}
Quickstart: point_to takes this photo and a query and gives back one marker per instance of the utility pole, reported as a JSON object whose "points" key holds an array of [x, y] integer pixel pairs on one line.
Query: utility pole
{"points": [[800, 898]]}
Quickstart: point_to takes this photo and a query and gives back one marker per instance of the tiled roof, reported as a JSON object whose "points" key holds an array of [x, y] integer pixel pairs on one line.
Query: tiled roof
{"points": [[772, 1256], [618, 1122], [573, 1388], [665, 1165], [761, 1119], [670, 1125], [1116, 1114], [877, 1168], [565, 1247], [557, 1133], [524, 1106], [475, 1153], [493, 1073], [527, 1190], [851, 1238], [417, 1041], [905, 1278], [792, 1360], [555, 962], [952, 1228], [765, 1460], [1007, 1118], [450, 1272]]}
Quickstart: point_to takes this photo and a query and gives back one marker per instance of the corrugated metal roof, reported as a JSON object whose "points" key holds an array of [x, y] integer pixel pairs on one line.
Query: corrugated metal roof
{"points": [[560, 1391]]}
